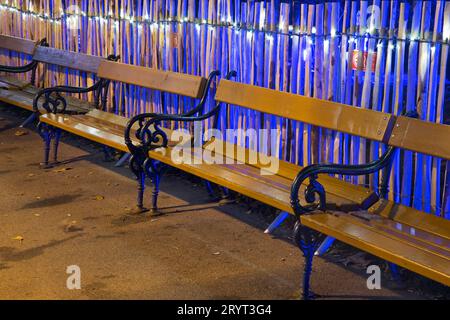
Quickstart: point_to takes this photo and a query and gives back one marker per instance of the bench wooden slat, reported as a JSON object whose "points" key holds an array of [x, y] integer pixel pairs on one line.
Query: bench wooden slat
{"points": [[94, 125], [398, 252], [440, 240], [16, 83], [17, 98], [401, 232], [233, 180], [166, 81], [68, 59], [244, 179], [70, 124], [109, 117], [326, 114], [17, 44], [413, 218], [421, 136]]}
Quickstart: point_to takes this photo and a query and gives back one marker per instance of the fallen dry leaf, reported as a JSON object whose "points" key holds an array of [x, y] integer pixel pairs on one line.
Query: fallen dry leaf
{"points": [[62, 170], [99, 198], [21, 133], [18, 238], [72, 227], [31, 175]]}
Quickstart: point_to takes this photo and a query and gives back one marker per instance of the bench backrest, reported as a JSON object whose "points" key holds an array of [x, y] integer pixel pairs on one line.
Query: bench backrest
{"points": [[421, 136], [401, 132], [360, 122], [17, 44], [68, 59], [166, 81]]}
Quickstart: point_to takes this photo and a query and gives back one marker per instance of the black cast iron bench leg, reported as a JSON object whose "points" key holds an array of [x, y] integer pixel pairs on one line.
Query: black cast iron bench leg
{"points": [[57, 137], [308, 242], [154, 171], [47, 133]]}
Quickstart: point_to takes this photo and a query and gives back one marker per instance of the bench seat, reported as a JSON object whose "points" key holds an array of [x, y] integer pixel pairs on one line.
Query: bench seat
{"points": [[21, 93], [107, 129], [102, 127], [402, 235], [246, 179]]}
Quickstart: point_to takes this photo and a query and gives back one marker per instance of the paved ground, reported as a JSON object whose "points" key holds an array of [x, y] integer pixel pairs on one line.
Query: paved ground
{"points": [[51, 219]]}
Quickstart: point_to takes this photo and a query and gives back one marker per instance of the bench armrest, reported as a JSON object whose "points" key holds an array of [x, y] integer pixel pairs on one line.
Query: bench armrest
{"points": [[19, 69], [201, 106], [54, 102], [149, 133], [25, 68], [315, 188]]}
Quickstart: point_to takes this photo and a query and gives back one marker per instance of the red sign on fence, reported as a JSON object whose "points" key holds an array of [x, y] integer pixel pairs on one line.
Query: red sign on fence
{"points": [[361, 64]]}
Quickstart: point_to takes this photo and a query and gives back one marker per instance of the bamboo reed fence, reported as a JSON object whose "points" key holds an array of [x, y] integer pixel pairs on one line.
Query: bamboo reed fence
{"points": [[383, 55]]}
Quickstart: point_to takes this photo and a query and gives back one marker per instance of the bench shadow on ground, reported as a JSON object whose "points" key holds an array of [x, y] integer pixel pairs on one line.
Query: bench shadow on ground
{"points": [[11, 254], [50, 202]]}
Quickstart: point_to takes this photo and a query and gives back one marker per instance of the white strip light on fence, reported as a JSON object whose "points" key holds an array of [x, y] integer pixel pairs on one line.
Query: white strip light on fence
{"points": [[145, 20]]}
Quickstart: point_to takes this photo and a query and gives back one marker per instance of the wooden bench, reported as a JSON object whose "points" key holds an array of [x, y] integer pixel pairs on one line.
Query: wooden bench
{"points": [[350, 213], [107, 128], [21, 93], [402, 235]]}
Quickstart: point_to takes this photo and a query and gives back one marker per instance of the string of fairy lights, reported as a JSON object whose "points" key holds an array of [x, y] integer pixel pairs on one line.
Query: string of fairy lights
{"points": [[291, 31]]}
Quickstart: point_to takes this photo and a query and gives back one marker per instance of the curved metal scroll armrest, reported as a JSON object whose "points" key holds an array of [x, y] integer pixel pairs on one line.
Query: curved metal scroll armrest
{"points": [[201, 105], [20, 69], [315, 188], [25, 68], [54, 102], [149, 131]]}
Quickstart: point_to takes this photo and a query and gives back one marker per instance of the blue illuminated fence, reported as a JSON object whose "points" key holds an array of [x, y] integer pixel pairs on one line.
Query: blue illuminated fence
{"points": [[383, 55]]}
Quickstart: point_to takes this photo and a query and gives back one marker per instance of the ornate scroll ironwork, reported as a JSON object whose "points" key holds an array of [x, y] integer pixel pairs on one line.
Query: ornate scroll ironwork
{"points": [[25, 68], [54, 102], [315, 188], [146, 129]]}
